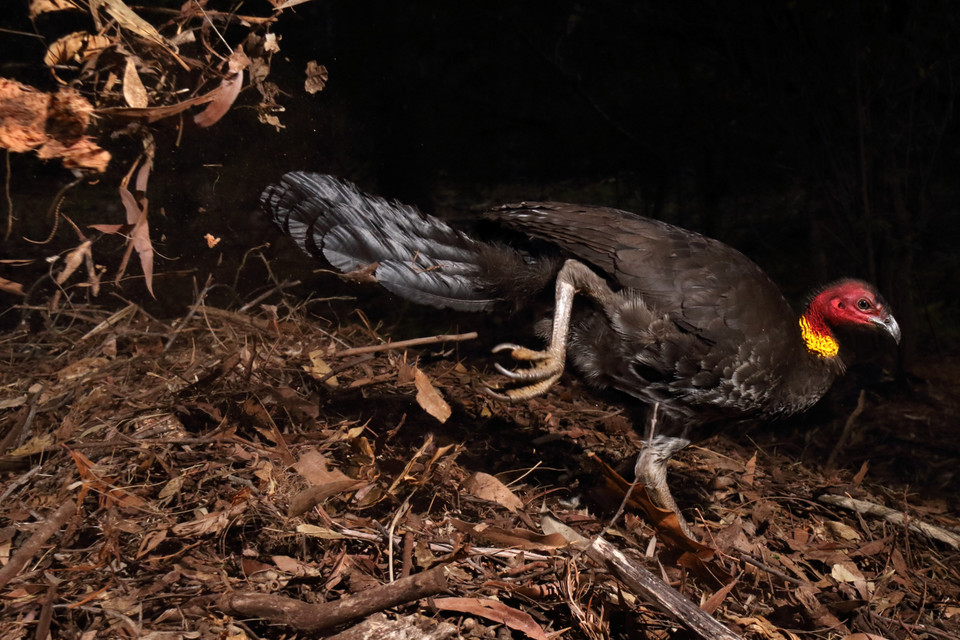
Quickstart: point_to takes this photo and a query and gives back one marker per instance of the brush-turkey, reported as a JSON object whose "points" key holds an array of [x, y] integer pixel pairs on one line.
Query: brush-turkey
{"points": [[675, 319]]}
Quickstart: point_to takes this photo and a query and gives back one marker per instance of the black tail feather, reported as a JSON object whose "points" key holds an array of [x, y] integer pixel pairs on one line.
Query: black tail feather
{"points": [[419, 257]]}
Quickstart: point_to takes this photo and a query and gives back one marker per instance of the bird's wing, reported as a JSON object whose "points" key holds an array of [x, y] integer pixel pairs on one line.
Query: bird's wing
{"points": [[715, 290]]}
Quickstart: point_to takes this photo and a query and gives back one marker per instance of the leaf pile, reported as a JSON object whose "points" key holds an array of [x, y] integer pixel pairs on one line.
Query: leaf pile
{"points": [[236, 474]]}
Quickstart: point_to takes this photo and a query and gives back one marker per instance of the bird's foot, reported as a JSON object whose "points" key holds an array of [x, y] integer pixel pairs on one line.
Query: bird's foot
{"points": [[532, 382]]}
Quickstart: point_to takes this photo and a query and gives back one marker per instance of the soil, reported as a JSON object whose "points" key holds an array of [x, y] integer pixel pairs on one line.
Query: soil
{"points": [[246, 472]]}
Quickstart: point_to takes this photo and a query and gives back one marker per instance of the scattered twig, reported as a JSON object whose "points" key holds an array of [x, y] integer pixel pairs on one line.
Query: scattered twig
{"points": [[892, 515], [186, 319], [403, 344], [655, 590], [767, 568], [847, 430], [263, 296], [32, 546], [15, 435], [316, 617]]}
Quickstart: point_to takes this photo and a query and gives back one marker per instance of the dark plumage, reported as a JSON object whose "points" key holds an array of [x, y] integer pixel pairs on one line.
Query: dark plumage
{"points": [[675, 319]]}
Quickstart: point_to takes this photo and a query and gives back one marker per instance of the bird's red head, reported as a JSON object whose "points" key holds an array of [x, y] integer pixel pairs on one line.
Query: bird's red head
{"points": [[848, 303]]}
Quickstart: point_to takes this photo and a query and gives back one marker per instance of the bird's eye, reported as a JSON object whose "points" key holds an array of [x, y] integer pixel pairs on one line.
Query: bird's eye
{"points": [[863, 304]]}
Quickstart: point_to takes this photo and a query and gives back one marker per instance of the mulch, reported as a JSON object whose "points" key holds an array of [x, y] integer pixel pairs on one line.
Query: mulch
{"points": [[256, 473]]}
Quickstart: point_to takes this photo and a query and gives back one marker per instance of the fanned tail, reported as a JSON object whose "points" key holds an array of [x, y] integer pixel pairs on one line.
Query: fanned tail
{"points": [[418, 256]]}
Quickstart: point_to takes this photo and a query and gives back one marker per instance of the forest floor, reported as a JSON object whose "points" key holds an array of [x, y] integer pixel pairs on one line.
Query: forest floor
{"points": [[235, 474]]}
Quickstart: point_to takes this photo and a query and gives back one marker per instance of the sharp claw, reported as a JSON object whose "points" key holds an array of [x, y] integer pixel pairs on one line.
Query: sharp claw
{"points": [[534, 380], [513, 375], [518, 352], [543, 370], [505, 346]]}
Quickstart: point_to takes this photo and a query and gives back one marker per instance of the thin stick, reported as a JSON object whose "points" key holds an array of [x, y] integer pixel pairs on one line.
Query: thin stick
{"points": [[892, 515], [847, 430], [403, 344], [32, 546], [193, 310]]}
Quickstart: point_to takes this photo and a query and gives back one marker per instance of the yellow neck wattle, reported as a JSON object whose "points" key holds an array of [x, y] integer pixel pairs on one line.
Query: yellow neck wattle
{"points": [[822, 344]]}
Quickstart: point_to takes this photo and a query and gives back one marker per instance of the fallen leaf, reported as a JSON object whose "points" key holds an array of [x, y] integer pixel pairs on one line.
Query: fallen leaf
{"points": [[512, 538], [229, 90], [495, 611], [841, 530], [750, 472], [430, 399], [320, 370], [487, 487], [314, 531], [316, 77], [45, 6], [134, 92], [10, 286], [76, 47]]}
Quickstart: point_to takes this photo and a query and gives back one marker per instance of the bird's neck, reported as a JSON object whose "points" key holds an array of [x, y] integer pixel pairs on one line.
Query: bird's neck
{"points": [[815, 332]]}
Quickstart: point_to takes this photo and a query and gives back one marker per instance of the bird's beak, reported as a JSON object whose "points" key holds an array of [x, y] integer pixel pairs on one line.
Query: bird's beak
{"points": [[889, 325]]}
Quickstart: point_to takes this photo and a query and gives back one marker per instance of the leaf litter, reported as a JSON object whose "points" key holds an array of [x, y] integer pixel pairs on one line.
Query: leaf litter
{"points": [[244, 475]]}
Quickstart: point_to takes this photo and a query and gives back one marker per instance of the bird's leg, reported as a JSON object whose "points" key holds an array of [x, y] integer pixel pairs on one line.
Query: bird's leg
{"points": [[651, 469], [575, 277]]}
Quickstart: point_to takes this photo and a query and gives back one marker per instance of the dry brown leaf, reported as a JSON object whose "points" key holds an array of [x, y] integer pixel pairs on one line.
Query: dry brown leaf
{"points": [[312, 496], [316, 77], [83, 154], [864, 636], [495, 611], [429, 398], [134, 93], [73, 261], [513, 538], [713, 602], [841, 530], [26, 115], [139, 237], [9, 286], [763, 627], [150, 541], [38, 7], [294, 566], [128, 19], [76, 47], [750, 472], [487, 487], [108, 493], [314, 531], [228, 91], [209, 523], [312, 465], [320, 370]]}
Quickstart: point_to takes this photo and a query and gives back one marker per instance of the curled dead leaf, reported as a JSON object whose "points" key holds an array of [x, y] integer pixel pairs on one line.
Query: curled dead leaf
{"points": [[316, 77], [227, 92], [38, 7], [9, 286], [76, 47]]}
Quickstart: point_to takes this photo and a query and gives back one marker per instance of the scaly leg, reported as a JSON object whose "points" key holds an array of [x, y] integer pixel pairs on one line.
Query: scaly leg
{"points": [[651, 469], [575, 277]]}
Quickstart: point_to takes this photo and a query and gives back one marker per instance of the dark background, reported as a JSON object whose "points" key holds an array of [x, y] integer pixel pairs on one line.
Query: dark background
{"points": [[818, 138]]}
